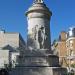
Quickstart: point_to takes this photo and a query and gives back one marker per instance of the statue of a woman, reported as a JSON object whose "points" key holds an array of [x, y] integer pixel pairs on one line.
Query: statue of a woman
{"points": [[41, 37], [35, 32]]}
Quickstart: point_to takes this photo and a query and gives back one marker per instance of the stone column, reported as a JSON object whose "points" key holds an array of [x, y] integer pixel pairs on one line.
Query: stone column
{"points": [[38, 17]]}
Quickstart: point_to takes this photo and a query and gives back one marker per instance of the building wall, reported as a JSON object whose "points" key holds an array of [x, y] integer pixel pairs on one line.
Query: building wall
{"points": [[4, 58], [66, 49], [62, 36], [15, 40], [70, 44], [15, 43], [11, 39], [61, 49]]}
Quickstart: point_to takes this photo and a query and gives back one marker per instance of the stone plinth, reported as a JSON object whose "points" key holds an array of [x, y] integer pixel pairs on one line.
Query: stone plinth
{"points": [[21, 70], [37, 62], [40, 58]]}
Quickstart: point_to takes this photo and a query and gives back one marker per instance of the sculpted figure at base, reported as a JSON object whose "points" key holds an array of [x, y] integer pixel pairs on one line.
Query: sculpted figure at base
{"points": [[35, 32], [35, 36], [41, 37]]}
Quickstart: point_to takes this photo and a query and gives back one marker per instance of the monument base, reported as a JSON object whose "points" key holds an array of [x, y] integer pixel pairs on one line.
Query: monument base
{"points": [[38, 62], [38, 71]]}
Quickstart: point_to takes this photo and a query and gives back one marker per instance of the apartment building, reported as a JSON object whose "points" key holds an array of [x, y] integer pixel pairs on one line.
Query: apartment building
{"points": [[66, 48], [12, 46]]}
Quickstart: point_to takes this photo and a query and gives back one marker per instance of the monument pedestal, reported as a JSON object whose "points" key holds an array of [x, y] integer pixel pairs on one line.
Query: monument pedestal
{"points": [[37, 62], [21, 70]]}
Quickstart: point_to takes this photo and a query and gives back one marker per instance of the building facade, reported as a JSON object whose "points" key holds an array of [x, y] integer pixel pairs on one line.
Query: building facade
{"points": [[70, 44], [66, 48], [12, 45], [60, 47]]}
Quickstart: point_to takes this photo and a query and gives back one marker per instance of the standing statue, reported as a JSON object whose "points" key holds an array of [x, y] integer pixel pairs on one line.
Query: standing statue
{"points": [[41, 37], [35, 36], [35, 32]]}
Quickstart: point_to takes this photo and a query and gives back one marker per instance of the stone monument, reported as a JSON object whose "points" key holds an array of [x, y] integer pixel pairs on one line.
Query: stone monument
{"points": [[38, 25], [38, 57]]}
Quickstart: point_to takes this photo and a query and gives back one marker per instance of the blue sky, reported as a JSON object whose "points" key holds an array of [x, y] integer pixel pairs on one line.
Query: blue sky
{"points": [[13, 19]]}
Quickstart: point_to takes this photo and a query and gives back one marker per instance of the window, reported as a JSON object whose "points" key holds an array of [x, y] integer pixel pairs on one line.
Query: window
{"points": [[71, 44]]}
